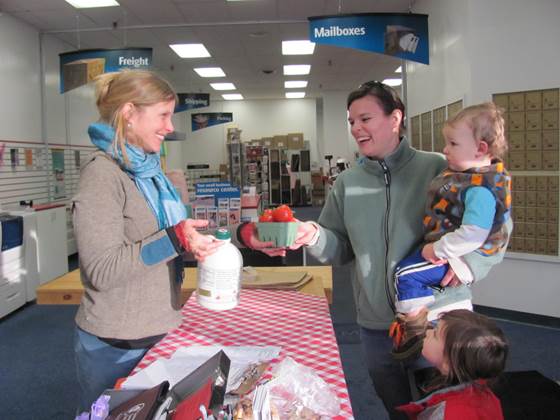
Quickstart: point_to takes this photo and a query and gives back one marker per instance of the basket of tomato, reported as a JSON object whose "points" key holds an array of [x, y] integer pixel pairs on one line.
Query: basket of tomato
{"points": [[278, 225]]}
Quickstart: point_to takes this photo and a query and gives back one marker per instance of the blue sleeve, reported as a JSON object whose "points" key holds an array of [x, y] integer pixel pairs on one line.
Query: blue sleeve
{"points": [[480, 207]]}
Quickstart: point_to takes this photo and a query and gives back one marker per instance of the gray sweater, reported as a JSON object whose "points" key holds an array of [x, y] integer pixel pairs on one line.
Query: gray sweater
{"points": [[126, 261], [373, 218]]}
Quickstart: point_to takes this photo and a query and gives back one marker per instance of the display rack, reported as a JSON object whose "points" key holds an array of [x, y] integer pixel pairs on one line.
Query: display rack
{"points": [[257, 170], [236, 159]]}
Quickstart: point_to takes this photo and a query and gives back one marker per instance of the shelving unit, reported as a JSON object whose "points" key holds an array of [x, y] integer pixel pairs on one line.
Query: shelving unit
{"points": [[281, 191], [257, 171], [236, 158]]}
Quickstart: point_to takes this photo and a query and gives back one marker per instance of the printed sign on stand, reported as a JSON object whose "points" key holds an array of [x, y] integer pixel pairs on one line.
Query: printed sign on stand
{"points": [[219, 203]]}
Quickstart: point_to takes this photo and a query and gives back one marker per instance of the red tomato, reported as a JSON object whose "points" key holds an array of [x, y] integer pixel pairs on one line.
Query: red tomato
{"points": [[266, 216], [283, 214]]}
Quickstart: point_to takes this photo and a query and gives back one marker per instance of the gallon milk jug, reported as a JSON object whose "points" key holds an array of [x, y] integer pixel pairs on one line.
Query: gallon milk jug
{"points": [[219, 276]]}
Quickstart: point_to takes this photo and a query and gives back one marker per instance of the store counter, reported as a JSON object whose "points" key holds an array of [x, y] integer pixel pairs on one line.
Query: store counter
{"points": [[299, 323], [68, 289]]}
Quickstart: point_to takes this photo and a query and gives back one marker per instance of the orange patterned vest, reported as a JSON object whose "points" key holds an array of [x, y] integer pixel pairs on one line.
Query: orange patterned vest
{"points": [[445, 206]]}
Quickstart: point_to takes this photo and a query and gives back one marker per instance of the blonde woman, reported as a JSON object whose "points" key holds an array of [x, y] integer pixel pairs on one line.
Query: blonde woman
{"points": [[131, 229]]}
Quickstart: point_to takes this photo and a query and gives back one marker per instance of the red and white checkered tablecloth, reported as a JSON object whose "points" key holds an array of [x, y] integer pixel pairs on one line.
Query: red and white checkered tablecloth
{"points": [[300, 324]]}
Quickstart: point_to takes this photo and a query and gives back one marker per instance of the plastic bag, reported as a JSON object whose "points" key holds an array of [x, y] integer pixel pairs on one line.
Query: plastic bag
{"points": [[295, 390]]}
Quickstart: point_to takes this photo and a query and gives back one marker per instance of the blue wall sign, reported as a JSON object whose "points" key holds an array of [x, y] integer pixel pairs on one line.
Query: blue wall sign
{"points": [[208, 119], [191, 101], [402, 35], [78, 68]]}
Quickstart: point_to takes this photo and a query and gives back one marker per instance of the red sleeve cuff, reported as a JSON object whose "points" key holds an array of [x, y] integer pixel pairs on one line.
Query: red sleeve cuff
{"points": [[180, 233], [245, 233]]}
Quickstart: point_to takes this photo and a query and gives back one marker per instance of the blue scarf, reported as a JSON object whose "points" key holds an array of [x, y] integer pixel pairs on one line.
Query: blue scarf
{"points": [[145, 170]]}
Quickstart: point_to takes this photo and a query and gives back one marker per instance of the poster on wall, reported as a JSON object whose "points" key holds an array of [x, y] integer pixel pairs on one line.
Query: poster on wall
{"points": [[402, 35], [28, 153], [78, 68], [192, 101], [2, 150], [58, 171], [208, 119]]}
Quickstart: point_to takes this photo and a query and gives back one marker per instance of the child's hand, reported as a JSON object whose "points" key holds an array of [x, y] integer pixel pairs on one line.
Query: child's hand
{"points": [[429, 254]]}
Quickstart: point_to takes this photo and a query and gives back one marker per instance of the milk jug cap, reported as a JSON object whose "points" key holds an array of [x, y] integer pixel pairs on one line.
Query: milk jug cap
{"points": [[222, 234]]}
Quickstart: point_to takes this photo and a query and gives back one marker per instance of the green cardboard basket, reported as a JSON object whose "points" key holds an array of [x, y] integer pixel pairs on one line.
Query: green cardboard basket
{"points": [[283, 234]]}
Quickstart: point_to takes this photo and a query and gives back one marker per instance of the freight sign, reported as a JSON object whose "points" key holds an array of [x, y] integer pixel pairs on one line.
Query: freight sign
{"points": [[78, 68]]}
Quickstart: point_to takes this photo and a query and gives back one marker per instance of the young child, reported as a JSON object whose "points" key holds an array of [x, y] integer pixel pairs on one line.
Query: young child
{"points": [[467, 210], [467, 349]]}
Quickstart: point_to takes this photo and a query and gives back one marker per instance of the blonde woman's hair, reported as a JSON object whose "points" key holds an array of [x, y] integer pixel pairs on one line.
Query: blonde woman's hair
{"points": [[138, 87], [487, 124]]}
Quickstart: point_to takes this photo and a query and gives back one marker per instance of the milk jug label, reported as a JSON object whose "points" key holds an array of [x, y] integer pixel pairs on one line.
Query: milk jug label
{"points": [[219, 285]]}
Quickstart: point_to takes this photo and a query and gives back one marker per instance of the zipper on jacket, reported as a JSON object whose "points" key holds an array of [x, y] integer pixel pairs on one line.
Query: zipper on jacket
{"points": [[387, 178]]}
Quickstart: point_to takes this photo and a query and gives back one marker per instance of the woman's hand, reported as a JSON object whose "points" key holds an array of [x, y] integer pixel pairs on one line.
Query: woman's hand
{"points": [[305, 233], [429, 254], [450, 279], [251, 240], [201, 246]]}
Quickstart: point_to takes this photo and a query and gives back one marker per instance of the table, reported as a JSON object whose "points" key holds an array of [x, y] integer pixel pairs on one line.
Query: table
{"points": [[68, 289], [299, 323]]}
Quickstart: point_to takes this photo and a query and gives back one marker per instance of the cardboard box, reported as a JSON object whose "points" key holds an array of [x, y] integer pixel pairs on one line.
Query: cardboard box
{"points": [[280, 142], [81, 72], [267, 141], [295, 141]]}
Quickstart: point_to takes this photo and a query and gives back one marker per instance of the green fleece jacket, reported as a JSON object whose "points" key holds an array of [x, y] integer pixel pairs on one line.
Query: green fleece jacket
{"points": [[373, 218]]}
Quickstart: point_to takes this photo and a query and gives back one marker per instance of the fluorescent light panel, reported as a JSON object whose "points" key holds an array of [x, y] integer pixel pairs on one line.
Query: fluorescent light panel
{"points": [[86, 4], [190, 50], [295, 95], [296, 69], [297, 47], [232, 96], [292, 84], [223, 86], [393, 82], [210, 72]]}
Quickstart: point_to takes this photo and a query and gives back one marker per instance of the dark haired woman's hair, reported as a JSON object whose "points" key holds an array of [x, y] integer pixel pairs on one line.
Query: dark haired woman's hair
{"points": [[387, 98], [475, 348]]}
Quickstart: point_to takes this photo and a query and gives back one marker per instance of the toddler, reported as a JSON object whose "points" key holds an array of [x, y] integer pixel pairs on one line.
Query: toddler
{"points": [[468, 349], [468, 209]]}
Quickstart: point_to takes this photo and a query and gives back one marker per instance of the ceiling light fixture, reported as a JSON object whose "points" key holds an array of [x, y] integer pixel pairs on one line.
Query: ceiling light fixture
{"points": [[296, 69], [295, 95], [210, 72], [232, 96], [223, 86], [291, 84], [393, 82], [297, 47], [190, 50], [88, 4]]}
